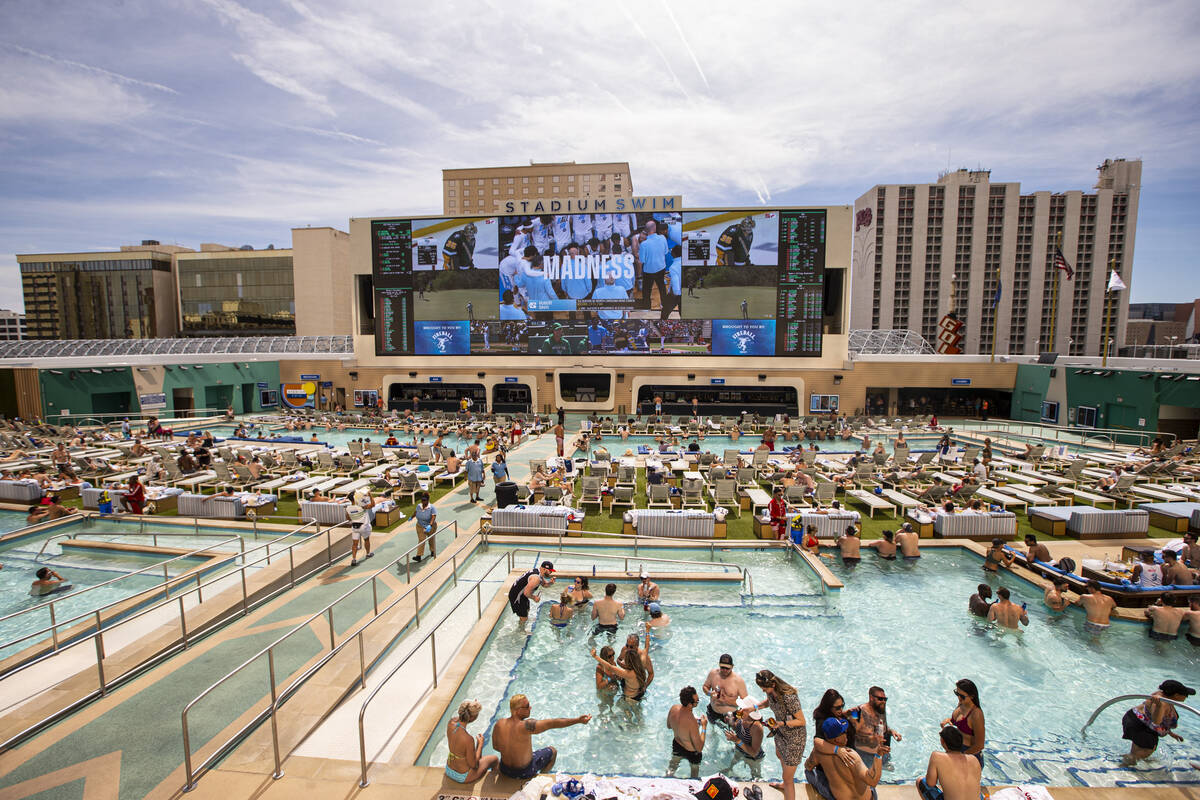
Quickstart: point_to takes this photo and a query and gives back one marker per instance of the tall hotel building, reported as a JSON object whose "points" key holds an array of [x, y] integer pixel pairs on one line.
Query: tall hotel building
{"points": [[923, 251]]}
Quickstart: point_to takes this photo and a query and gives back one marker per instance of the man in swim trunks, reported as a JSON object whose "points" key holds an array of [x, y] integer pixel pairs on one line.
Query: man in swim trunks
{"points": [[951, 774], [885, 547], [47, 581], [648, 591], [978, 604], [1006, 612], [1099, 608], [1174, 572], [724, 688], [1192, 618], [657, 618], [689, 733], [524, 590], [1036, 551], [909, 541], [607, 611], [1055, 599], [1165, 618], [513, 739], [849, 544]]}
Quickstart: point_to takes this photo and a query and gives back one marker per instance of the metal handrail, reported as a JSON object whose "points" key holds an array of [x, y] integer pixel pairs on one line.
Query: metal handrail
{"points": [[193, 775], [537, 550], [362, 734], [97, 636], [1122, 698], [637, 539], [58, 599]]}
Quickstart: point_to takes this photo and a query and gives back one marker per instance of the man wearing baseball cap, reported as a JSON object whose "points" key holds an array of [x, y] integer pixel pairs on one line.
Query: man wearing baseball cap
{"points": [[724, 688], [524, 590], [835, 779], [909, 541], [648, 591]]}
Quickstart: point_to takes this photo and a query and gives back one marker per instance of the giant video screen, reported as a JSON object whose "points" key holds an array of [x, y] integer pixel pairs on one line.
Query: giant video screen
{"points": [[725, 283]]}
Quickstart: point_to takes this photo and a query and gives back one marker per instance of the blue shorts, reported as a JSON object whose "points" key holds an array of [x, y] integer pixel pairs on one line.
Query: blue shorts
{"points": [[541, 760]]}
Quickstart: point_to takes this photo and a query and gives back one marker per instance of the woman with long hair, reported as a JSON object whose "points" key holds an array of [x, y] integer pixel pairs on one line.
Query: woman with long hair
{"points": [[788, 726], [968, 718], [832, 705], [465, 762]]}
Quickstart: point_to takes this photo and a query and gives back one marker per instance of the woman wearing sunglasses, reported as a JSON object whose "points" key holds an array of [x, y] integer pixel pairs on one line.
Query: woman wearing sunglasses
{"points": [[788, 727], [968, 718]]}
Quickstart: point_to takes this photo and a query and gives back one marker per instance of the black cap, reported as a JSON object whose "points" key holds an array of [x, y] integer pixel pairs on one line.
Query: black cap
{"points": [[548, 565], [715, 789], [725, 659], [1175, 687]]}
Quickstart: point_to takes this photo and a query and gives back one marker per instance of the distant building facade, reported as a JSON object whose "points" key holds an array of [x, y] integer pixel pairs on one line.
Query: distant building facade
{"points": [[922, 251], [1159, 324], [12, 325], [484, 190], [225, 291], [101, 295]]}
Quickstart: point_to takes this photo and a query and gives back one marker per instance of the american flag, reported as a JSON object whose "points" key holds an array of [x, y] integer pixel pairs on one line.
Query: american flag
{"points": [[1060, 262]]}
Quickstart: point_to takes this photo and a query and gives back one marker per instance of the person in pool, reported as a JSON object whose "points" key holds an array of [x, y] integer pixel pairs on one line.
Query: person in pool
{"points": [[1055, 597], [885, 547], [465, 762], [606, 684], [689, 732], [832, 777], [909, 541], [978, 604], [725, 688], [1099, 608], [1007, 613], [513, 739], [648, 591], [1144, 724], [967, 716], [580, 595], [657, 618], [1165, 618], [630, 668], [997, 557], [47, 581], [562, 611], [607, 611]]}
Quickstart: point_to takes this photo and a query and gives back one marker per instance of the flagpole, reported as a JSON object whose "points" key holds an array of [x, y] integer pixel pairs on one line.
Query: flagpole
{"points": [[1107, 316], [1054, 298]]}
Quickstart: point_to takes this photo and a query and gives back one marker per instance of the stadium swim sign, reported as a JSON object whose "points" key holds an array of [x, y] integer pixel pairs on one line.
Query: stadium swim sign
{"points": [[587, 205]]}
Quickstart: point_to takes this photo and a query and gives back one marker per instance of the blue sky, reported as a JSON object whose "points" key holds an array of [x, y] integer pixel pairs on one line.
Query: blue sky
{"points": [[218, 121]]}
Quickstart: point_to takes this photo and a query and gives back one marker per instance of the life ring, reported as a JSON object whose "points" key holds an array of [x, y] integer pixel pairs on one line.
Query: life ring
{"points": [[150, 507], [251, 514]]}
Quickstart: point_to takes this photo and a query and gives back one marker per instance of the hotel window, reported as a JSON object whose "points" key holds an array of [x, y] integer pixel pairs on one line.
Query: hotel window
{"points": [[526, 190], [571, 178], [495, 181], [452, 193], [526, 180], [541, 190], [479, 192], [495, 191], [510, 181], [554, 179], [541, 178]]}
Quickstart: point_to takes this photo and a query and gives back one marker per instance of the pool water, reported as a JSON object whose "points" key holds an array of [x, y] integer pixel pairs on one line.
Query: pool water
{"points": [[902, 626], [12, 520]]}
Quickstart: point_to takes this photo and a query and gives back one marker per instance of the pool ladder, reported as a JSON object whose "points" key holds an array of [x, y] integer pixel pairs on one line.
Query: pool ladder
{"points": [[1123, 697]]}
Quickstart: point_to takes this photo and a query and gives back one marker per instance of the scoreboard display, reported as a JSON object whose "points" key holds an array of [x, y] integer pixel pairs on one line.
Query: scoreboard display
{"points": [[721, 282]]}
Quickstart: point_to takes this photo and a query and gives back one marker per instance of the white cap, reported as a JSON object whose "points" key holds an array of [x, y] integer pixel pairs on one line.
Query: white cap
{"points": [[645, 574], [751, 705]]}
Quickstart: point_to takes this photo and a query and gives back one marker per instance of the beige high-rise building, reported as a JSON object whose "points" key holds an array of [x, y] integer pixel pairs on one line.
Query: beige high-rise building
{"points": [[485, 190], [924, 250]]}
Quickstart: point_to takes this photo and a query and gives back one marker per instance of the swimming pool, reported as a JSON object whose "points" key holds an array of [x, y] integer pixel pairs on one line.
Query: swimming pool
{"points": [[335, 438], [12, 520], [903, 626]]}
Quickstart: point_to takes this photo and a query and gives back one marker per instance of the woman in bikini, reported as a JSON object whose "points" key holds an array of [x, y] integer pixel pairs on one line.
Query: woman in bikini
{"points": [[465, 763], [968, 718], [1144, 724], [634, 676], [562, 611], [580, 595]]}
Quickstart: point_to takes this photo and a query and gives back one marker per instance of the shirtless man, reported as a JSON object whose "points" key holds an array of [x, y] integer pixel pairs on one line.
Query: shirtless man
{"points": [[1175, 572], [724, 688], [607, 611], [952, 774], [1165, 618], [909, 541], [657, 618], [978, 604], [513, 739], [1036, 551], [559, 433], [648, 591], [885, 547], [1006, 612], [836, 778], [1099, 608], [1192, 618], [689, 733], [849, 544], [1190, 555], [1054, 598]]}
